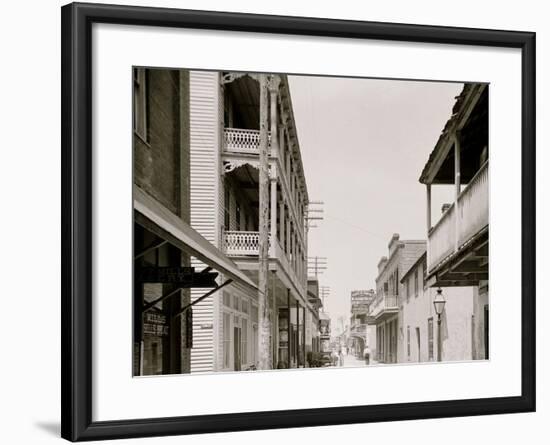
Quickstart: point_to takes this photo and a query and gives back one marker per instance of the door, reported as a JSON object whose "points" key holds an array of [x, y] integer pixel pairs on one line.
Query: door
{"points": [[237, 348]]}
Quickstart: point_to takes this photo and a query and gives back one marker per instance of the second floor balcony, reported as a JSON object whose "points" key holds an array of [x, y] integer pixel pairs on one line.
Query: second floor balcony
{"points": [[458, 226], [385, 306], [245, 245], [242, 243], [243, 141]]}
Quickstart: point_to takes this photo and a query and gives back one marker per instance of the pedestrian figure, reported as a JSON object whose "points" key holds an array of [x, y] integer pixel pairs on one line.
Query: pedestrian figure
{"points": [[366, 355], [341, 357], [334, 357]]}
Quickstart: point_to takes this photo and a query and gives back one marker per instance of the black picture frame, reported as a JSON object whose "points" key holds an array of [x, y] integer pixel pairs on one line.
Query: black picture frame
{"points": [[76, 118]]}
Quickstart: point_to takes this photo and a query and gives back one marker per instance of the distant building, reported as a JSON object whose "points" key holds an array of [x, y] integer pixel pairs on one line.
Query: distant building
{"points": [[458, 242], [313, 316], [362, 327], [402, 254]]}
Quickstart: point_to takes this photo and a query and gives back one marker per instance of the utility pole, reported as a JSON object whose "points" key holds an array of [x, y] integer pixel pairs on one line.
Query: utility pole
{"points": [[267, 83], [314, 212], [316, 264], [325, 292], [264, 349]]}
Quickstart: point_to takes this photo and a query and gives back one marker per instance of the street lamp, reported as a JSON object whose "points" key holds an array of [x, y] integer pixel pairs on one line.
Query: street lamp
{"points": [[439, 305]]}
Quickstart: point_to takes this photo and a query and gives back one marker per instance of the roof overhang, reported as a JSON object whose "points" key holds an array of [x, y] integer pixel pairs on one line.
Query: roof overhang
{"points": [[439, 168], [152, 215]]}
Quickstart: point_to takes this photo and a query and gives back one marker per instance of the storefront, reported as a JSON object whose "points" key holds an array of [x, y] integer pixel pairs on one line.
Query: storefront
{"points": [[163, 311]]}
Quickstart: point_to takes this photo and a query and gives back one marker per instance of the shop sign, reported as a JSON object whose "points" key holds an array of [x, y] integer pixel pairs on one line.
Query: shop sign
{"points": [[155, 324], [184, 277]]}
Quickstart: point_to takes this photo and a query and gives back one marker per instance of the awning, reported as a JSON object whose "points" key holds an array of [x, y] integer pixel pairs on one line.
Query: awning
{"points": [[152, 215]]}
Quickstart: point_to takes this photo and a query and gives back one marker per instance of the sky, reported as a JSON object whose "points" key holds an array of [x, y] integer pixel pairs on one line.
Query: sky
{"points": [[364, 143]]}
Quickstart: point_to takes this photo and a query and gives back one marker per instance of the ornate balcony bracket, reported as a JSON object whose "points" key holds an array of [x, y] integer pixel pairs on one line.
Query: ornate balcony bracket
{"points": [[230, 165], [231, 77]]}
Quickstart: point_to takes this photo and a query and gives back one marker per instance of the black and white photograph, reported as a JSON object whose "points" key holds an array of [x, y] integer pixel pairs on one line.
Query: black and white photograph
{"points": [[291, 221], [268, 222]]}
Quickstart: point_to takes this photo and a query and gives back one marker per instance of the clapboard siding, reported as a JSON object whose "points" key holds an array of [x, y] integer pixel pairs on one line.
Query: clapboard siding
{"points": [[205, 168]]}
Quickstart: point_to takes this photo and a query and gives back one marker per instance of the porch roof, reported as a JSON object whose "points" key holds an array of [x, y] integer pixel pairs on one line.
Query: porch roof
{"points": [[470, 117], [149, 213]]}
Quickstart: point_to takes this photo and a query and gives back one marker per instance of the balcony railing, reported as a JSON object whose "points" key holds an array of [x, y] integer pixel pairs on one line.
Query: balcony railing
{"points": [[359, 329], [385, 303], [239, 243], [454, 229], [239, 140], [246, 243]]}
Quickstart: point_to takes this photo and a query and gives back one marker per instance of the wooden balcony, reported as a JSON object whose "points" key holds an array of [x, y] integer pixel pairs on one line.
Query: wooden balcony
{"points": [[241, 243], [458, 230], [244, 244], [385, 306], [243, 141]]}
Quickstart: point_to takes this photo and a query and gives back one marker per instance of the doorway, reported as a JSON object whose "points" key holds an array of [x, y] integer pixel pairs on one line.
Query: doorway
{"points": [[237, 348]]}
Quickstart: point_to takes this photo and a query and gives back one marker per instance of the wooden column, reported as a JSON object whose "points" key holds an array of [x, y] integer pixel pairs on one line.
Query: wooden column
{"points": [[457, 185], [297, 334], [273, 214], [274, 317], [288, 328], [282, 225], [273, 86], [304, 334]]}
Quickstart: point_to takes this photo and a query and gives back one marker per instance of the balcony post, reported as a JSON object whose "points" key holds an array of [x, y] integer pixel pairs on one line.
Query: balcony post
{"points": [[282, 225], [288, 233], [457, 184], [281, 142], [273, 215], [273, 86]]}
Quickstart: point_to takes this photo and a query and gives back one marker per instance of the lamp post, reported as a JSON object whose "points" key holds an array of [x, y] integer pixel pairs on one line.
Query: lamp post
{"points": [[439, 305]]}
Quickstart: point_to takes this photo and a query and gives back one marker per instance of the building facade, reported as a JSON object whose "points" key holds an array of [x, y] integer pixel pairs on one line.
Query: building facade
{"points": [[458, 242], [166, 248], [362, 326], [420, 322], [402, 254], [224, 208]]}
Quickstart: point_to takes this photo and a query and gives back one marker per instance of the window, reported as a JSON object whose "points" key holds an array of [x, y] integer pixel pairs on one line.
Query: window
{"points": [[408, 287], [244, 306], [226, 339], [416, 283], [254, 314], [236, 303], [430, 338], [226, 299], [408, 342], [141, 108], [244, 341]]}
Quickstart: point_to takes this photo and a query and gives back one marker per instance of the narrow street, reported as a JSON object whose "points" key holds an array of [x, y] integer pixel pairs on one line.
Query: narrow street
{"points": [[351, 361]]}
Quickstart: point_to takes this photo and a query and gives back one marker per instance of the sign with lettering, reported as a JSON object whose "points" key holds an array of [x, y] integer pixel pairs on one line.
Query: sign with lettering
{"points": [[155, 324], [184, 277]]}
